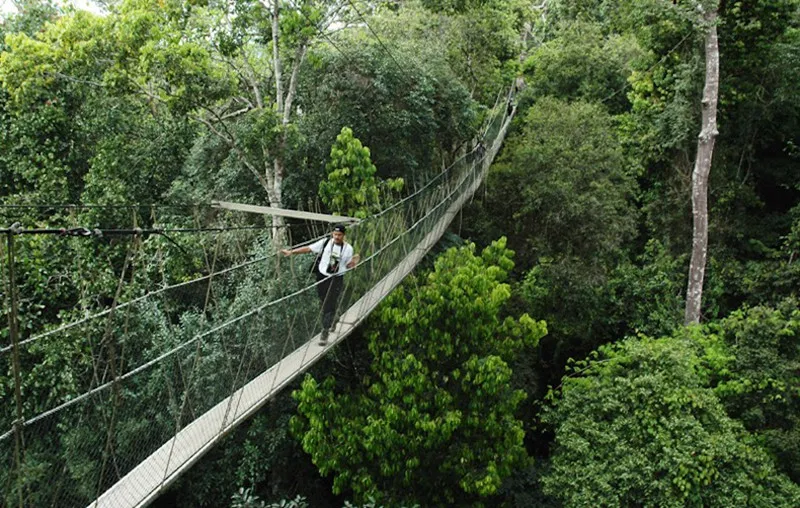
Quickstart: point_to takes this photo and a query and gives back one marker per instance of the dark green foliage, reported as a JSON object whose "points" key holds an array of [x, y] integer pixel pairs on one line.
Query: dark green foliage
{"points": [[571, 296], [246, 499], [752, 183], [562, 185], [757, 37], [634, 425], [262, 458], [480, 40], [581, 62], [759, 375], [483, 47], [563, 189], [409, 116], [139, 162], [213, 170], [591, 188], [647, 295]]}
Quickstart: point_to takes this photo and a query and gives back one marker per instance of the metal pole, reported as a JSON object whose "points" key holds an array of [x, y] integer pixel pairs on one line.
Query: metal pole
{"points": [[13, 328]]}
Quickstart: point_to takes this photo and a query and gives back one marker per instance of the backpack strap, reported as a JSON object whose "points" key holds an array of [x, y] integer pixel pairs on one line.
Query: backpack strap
{"points": [[318, 260]]}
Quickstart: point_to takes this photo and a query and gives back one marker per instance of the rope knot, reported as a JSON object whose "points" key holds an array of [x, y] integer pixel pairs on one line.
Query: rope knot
{"points": [[76, 232]]}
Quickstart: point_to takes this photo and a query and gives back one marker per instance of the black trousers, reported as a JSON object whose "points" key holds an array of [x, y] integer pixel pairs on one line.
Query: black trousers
{"points": [[329, 290]]}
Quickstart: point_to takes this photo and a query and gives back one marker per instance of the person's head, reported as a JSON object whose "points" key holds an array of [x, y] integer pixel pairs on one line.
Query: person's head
{"points": [[338, 234]]}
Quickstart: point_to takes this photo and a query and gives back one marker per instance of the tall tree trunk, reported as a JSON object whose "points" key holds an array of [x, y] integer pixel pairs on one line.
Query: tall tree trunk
{"points": [[284, 109], [275, 168], [279, 235], [276, 57], [702, 168], [300, 55]]}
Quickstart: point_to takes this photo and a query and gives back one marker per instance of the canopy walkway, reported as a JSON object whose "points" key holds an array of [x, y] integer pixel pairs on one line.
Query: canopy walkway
{"points": [[182, 375]]}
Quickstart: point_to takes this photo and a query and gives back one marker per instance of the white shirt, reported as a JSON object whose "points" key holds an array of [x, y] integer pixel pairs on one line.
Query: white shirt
{"points": [[333, 255]]}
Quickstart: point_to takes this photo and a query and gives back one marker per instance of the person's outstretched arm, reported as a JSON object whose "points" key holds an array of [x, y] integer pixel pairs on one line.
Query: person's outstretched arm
{"points": [[299, 250]]}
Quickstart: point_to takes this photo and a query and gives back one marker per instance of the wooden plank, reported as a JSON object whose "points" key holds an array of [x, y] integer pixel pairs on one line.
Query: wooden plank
{"points": [[283, 212]]}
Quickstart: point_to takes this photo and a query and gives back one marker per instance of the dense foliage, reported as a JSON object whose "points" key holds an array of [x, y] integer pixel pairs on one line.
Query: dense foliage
{"points": [[438, 396], [638, 426], [351, 187], [452, 392]]}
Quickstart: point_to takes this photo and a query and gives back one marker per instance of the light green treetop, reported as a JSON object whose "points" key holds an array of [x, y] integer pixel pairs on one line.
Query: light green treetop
{"points": [[352, 189]]}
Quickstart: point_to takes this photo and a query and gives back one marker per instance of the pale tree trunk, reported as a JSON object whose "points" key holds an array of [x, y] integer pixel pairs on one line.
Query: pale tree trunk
{"points": [[702, 168], [284, 110], [300, 55], [275, 169], [279, 235], [276, 58], [274, 164]]}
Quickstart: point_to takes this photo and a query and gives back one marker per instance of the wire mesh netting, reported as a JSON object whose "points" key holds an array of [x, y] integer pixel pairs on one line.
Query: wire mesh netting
{"points": [[145, 379]]}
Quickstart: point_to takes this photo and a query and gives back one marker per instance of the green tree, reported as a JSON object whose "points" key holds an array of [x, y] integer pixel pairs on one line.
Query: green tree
{"points": [[758, 41], [483, 46], [581, 62], [433, 421], [759, 375], [68, 138], [562, 191], [562, 187], [481, 39], [646, 293], [236, 73], [352, 188], [772, 278], [635, 425], [48, 144], [414, 115]]}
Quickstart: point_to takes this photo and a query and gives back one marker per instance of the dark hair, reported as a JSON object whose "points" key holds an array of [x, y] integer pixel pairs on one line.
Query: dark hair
{"points": [[340, 228]]}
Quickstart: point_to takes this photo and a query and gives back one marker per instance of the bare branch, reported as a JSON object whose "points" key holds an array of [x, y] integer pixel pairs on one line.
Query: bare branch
{"points": [[276, 58], [231, 141], [245, 101], [254, 80], [234, 113], [299, 57], [332, 16], [77, 80]]}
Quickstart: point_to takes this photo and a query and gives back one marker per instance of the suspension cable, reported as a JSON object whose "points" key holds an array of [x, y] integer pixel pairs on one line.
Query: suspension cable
{"points": [[148, 295], [430, 209]]}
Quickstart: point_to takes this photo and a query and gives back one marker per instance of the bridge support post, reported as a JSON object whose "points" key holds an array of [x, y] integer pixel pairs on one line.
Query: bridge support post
{"points": [[13, 330]]}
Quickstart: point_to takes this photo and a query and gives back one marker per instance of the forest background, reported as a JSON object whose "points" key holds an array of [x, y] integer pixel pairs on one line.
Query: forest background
{"points": [[540, 356]]}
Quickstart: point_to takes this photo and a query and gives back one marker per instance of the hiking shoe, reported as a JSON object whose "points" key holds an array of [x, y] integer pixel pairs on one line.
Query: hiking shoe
{"points": [[323, 337]]}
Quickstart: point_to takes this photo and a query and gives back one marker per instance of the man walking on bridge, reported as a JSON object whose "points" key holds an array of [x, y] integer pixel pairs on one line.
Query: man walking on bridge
{"points": [[334, 257]]}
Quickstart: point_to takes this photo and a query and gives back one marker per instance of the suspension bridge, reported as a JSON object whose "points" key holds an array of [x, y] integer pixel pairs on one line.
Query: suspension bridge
{"points": [[129, 397]]}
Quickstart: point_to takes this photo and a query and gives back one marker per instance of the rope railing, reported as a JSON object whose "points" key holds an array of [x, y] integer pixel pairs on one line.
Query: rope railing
{"points": [[151, 294], [436, 178], [188, 361]]}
